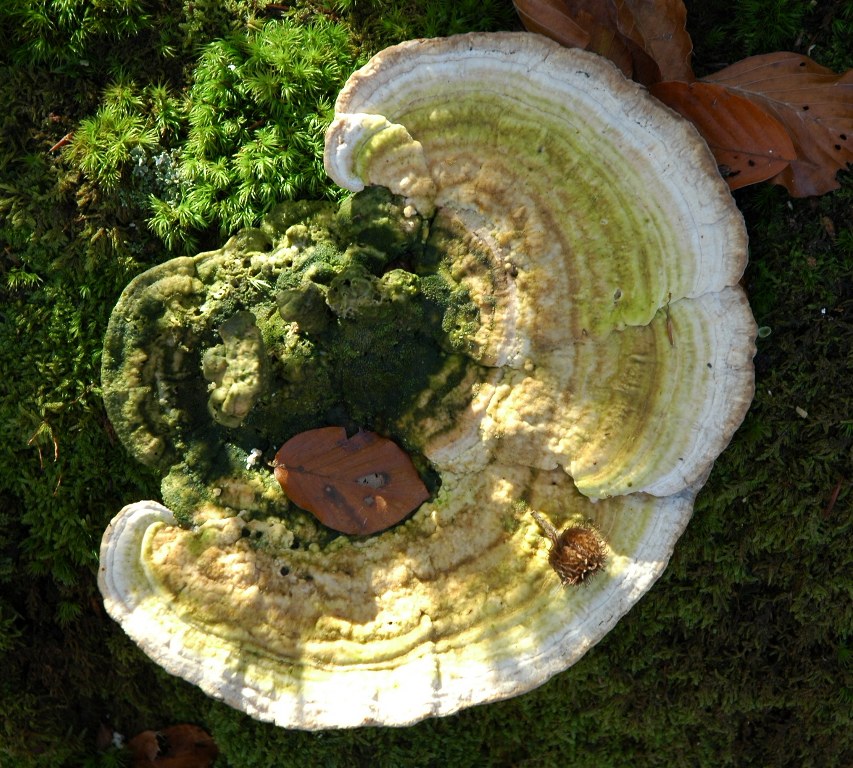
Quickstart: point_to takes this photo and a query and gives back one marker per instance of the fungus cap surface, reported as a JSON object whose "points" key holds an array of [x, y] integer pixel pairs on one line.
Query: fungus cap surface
{"points": [[554, 273]]}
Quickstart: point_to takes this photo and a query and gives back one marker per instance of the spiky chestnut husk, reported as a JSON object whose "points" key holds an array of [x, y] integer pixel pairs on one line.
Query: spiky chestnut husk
{"points": [[576, 554]]}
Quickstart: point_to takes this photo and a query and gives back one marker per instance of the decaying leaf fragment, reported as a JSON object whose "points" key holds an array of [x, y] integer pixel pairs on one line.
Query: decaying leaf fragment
{"points": [[659, 29], [359, 485], [177, 746], [778, 116], [553, 19]]}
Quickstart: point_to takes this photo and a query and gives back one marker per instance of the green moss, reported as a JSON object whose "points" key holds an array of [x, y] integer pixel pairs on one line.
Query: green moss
{"points": [[211, 358], [739, 655], [381, 332], [53, 32], [724, 33], [254, 120]]}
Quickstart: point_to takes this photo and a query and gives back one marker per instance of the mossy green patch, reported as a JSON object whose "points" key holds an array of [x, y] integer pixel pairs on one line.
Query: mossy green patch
{"points": [[306, 322]]}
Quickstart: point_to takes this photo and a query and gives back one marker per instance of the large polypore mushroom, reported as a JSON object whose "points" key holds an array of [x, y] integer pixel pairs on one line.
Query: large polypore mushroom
{"points": [[541, 306]]}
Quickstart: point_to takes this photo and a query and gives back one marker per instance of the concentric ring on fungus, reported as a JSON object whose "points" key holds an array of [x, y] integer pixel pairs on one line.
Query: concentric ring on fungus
{"points": [[607, 364]]}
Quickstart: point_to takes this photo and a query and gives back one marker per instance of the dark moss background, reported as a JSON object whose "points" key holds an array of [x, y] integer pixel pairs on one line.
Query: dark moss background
{"points": [[193, 118]]}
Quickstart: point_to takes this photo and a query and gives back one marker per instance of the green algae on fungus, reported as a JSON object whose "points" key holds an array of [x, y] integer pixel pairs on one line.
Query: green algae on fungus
{"points": [[300, 324], [542, 307], [235, 370]]}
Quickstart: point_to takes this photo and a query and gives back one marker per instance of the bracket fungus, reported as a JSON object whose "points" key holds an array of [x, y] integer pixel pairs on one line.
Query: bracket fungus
{"points": [[534, 292]]}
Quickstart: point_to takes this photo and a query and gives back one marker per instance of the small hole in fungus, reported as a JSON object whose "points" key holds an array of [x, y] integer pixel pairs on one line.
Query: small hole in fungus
{"points": [[805, 108], [802, 63], [295, 544], [842, 136], [284, 570], [751, 163], [838, 146]]}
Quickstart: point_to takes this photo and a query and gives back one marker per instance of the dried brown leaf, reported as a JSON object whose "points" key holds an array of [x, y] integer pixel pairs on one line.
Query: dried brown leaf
{"points": [[588, 24], [815, 106], [659, 30], [178, 746], [357, 485], [646, 39], [604, 36], [550, 18], [749, 145], [778, 117]]}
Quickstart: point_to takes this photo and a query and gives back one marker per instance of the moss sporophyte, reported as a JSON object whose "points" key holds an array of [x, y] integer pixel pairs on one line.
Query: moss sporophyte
{"points": [[504, 312]]}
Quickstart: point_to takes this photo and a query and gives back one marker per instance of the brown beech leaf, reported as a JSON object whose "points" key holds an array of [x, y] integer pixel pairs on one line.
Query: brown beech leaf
{"points": [[749, 145], [659, 29], [604, 36], [178, 746], [646, 39], [588, 24], [549, 18], [813, 103], [357, 485]]}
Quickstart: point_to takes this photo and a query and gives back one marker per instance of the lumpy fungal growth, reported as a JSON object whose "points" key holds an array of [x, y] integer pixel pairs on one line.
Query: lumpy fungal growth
{"points": [[235, 370], [324, 316]]}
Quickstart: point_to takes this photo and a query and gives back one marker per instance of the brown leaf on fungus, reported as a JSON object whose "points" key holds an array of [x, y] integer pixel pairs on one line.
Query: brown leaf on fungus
{"points": [[749, 144], [357, 485], [814, 104]]}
